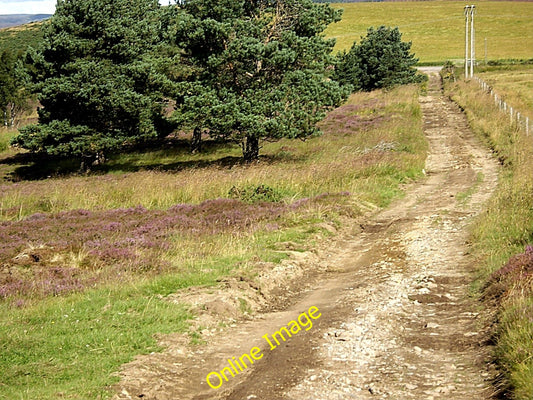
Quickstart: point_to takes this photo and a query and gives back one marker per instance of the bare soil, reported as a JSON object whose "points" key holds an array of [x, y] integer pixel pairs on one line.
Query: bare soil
{"points": [[397, 320]]}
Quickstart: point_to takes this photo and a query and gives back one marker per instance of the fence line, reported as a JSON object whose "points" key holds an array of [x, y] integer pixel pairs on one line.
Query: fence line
{"points": [[514, 115]]}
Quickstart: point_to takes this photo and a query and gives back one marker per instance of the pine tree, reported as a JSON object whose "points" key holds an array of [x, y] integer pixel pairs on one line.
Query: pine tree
{"points": [[97, 81], [380, 60], [258, 69]]}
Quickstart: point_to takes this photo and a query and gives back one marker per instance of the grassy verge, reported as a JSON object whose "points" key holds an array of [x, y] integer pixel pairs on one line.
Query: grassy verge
{"points": [[69, 347], [501, 234], [436, 28], [88, 260]]}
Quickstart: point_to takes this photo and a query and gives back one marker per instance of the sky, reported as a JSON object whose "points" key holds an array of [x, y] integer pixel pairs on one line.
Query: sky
{"points": [[27, 6], [32, 6]]}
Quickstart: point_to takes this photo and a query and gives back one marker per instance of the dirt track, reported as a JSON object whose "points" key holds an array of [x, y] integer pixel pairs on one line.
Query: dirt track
{"points": [[396, 320]]}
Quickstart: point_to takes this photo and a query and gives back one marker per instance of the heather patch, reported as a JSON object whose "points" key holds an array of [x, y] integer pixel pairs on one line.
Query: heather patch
{"points": [[351, 118], [65, 252], [56, 254], [518, 268], [515, 275]]}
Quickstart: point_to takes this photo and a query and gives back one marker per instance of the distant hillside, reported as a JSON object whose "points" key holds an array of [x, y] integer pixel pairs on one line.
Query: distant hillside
{"points": [[20, 19], [17, 39]]}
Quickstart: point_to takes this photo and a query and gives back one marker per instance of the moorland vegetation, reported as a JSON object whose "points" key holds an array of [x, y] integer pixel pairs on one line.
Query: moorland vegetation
{"points": [[87, 259]]}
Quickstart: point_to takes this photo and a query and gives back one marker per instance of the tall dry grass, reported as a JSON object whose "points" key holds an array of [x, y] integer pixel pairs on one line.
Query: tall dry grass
{"points": [[352, 155]]}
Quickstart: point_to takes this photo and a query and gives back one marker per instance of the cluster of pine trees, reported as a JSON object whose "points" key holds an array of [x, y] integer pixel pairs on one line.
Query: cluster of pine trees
{"points": [[243, 71]]}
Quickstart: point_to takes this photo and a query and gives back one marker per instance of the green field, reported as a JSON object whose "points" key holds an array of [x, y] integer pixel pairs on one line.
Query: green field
{"points": [[436, 28], [514, 83]]}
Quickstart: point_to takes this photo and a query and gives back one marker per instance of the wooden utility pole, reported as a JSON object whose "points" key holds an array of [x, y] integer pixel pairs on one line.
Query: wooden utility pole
{"points": [[472, 41], [467, 18], [469, 34]]}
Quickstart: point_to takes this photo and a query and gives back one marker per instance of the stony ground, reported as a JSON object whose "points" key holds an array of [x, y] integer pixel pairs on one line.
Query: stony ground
{"points": [[396, 319]]}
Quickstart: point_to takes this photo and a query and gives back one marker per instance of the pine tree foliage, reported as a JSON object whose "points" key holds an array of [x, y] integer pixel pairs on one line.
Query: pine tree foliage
{"points": [[380, 60], [258, 69], [98, 85]]}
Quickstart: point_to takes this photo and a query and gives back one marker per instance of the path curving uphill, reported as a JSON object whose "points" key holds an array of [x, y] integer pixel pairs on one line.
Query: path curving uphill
{"points": [[396, 320]]}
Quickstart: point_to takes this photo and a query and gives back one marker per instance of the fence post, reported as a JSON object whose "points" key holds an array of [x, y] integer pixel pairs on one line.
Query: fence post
{"points": [[503, 106]]}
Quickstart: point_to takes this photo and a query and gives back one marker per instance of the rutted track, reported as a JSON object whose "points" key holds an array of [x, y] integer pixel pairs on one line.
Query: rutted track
{"points": [[397, 322]]}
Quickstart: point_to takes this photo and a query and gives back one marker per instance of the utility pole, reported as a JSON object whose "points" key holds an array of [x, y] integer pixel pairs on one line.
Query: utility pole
{"points": [[472, 41], [467, 16], [469, 34]]}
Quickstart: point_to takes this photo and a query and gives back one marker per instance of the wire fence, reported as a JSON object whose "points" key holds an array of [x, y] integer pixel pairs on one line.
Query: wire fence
{"points": [[515, 117]]}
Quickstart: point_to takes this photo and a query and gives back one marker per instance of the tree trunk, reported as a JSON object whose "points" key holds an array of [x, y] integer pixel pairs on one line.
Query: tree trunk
{"points": [[91, 160], [251, 149], [12, 114], [196, 142]]}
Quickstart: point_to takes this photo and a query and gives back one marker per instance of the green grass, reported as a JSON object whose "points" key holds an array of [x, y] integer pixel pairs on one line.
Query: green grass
{"points": [[463, 197], [5, 137], [436, 28], [504, 230], [70, 347]]}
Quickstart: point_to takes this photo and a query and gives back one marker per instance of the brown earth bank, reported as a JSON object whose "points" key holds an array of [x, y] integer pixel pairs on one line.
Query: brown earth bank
{"points": [[381, 310]]}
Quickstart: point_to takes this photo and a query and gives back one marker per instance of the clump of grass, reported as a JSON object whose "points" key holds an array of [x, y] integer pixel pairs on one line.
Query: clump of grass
{"points": [[255, 194], [462, 197], [501, 234]]}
